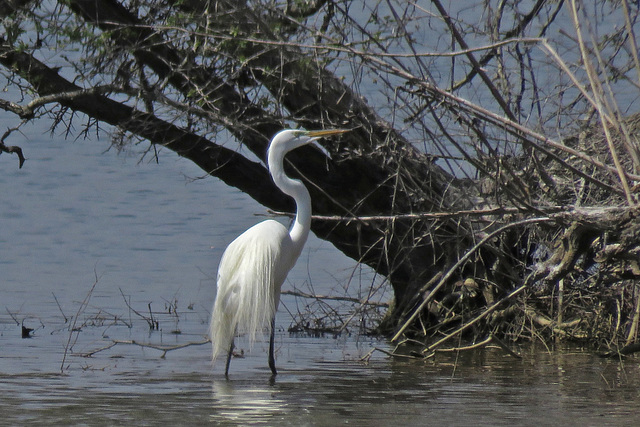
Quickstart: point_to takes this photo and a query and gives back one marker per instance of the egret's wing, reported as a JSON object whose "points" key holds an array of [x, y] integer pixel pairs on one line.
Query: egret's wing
{"points": [[249, 279]]}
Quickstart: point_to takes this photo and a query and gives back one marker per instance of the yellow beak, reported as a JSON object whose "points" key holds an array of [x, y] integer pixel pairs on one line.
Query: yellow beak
{"points": [[327, 132]]}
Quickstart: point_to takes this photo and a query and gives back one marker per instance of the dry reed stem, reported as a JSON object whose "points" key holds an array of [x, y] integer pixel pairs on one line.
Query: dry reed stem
{"points": [[559, 317], [633, 331], [632, 38], [600, 101]]}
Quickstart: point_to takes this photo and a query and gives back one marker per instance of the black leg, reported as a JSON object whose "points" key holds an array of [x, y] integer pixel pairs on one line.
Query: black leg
{"points": [[226, 369], [272, 360]]}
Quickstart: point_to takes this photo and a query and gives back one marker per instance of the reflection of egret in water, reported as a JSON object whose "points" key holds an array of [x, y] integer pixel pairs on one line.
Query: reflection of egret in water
{"points": [[246, 403]]}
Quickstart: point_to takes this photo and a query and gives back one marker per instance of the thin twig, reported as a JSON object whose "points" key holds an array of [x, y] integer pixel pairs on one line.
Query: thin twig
{"points": [[477, 345], [72, 329], [392, 354], [553, 212], [633, 330], [149, 321], [335, 298], [13, 316], [474, 62], [60, 308], [163, 348], [600, 103], [631, 38]]}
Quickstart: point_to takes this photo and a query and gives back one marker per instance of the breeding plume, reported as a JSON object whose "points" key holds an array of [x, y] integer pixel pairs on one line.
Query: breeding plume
{"points": [[256, 263]]}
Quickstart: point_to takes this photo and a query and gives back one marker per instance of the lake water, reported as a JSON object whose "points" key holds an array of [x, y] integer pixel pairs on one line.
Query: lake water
{"points": [[149, 238]]}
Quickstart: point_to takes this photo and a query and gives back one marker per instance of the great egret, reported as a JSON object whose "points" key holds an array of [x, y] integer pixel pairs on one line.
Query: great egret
{"points": [[256, 263]]}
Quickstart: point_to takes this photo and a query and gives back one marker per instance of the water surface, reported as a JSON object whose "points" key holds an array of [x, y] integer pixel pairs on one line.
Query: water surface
{"points": [[149, 238]]}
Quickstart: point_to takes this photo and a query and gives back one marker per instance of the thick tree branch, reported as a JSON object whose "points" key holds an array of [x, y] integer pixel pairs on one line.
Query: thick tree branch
{"points": [[450, 247], [215, 159], [315, 98]]}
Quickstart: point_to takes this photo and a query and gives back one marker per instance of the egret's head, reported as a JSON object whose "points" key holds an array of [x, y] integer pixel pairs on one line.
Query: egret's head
{"points": [[290, 139]]}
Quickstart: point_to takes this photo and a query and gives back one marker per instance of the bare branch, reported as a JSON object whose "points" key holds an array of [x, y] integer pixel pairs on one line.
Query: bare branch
{"points": [[335, 298], [163, 348], [13, 149]]}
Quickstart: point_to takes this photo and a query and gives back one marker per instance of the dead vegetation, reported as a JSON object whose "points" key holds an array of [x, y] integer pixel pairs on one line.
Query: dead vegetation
{"points": [[491, 175]]}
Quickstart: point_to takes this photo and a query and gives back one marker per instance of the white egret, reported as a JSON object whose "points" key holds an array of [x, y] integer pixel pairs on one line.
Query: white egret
{"points": [[256, 263]]}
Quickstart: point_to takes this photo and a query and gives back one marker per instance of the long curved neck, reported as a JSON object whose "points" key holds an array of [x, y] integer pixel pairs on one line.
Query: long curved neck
{"points": [[296, 189]]}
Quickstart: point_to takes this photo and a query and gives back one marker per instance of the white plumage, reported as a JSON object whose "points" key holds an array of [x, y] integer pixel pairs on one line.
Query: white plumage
{"points": [[250, 259], [254, 265]]}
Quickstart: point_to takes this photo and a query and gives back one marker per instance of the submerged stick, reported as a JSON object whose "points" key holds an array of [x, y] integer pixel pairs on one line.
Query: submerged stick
{"points": [[624, 351], [504, 346], [477, 345], [163, 348]]}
